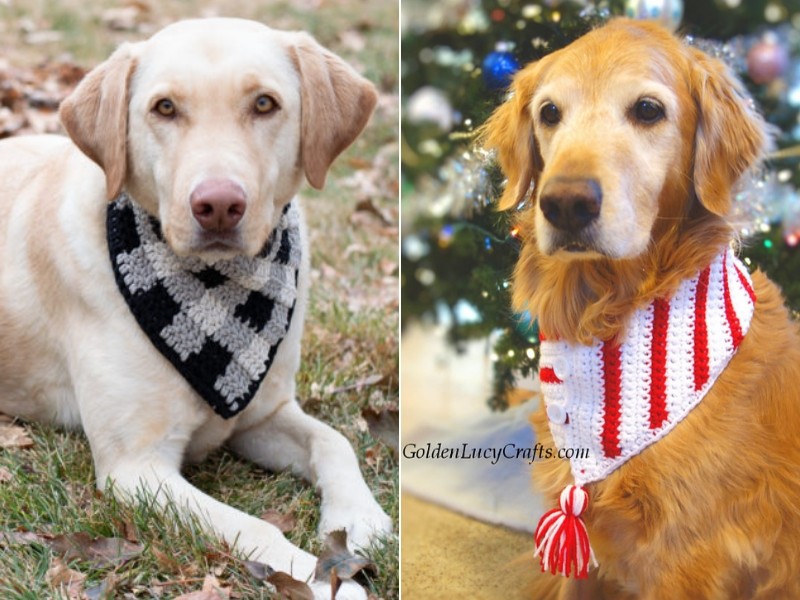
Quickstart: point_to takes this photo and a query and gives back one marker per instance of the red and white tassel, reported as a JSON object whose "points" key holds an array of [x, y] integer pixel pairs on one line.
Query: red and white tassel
{"points": [[562, 541]]}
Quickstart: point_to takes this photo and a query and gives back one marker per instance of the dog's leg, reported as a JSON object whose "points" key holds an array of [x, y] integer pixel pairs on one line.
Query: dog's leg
{"points": [[291, 439], [253, 537]]}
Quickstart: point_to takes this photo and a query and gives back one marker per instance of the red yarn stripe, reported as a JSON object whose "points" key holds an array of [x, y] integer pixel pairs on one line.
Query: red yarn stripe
{"points": [[548, 375], [730, 313], [701, 331], [612, 379], [658, 364], [746, 284]]}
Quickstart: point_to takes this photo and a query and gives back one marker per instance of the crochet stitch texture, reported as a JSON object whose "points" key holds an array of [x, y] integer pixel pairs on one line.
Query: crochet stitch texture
{"points": [[219, 325], [617, 397]]}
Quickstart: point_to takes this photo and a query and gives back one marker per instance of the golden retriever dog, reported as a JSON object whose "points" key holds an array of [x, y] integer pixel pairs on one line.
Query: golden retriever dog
{"points": [[169, 321], [625, 147]]}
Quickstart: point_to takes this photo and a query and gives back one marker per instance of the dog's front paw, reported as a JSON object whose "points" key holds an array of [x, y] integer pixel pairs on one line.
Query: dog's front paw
{"points": [[349, 590], [364, 522]]}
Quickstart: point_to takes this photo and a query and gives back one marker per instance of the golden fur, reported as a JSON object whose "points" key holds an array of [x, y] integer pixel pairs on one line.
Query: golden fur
{"points": [[713, 509]]}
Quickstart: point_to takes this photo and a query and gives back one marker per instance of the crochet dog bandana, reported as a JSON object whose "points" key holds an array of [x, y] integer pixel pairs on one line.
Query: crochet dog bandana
{"points": [[615, 398], [220, 326]]}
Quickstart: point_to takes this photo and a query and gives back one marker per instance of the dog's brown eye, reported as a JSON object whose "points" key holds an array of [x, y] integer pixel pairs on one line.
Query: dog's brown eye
{"points": [[550, 114], [648, 111], [165, 107], [265, 104]]}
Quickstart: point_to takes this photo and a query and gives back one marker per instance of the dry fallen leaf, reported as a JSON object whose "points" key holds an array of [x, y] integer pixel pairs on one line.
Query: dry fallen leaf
{"points": [[384, 425], [382, 294], [127, 530], [67, 580], [289, 587], [286, 585], [14, 436], [212, 590], [22, 538], [388, 267], [258, 570], [336, 556], [284, 522], [199, 595], [368, 206], [101, 552], [5, 475], [105, 590]]}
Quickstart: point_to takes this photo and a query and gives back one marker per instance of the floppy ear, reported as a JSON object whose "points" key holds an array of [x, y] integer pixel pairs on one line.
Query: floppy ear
{"points": [[730, 137], [509, 131], [95, 116], [336, 105]]}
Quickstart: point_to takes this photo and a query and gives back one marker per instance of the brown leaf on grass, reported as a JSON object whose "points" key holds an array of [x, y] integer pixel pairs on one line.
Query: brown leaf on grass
{"points": [[283, 521], [388, 267], [22, 538], [368, 206], [105, 590], [257, 569], [290, 588], [336, 557], [212, 585], [336, 583], [166, 561], [127, 530], [5, 475], [384, 425], [101, 551], [199, 595], [286, 585], [382, 294], [67, 580], [212, 590], [29, 97], [14, 436]]}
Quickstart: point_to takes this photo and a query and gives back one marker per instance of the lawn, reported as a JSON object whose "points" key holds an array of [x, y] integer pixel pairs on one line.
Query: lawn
{"points": [[47, 492]]}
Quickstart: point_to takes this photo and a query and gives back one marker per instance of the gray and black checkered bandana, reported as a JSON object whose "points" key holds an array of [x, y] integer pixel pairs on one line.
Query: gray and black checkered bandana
{"points": [[221, 325]]}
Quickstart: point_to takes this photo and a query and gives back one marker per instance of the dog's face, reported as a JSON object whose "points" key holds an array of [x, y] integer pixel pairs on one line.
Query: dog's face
{"points": [[618, 131], [608, 130], [211, 124]]}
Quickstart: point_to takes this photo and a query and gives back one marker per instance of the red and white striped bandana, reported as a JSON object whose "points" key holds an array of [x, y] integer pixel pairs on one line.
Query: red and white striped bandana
{"points": [[617, 398]]}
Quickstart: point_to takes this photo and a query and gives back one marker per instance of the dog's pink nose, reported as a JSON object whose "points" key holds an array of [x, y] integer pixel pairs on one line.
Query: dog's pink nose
{"points": [[571, 203], [218, 204]]}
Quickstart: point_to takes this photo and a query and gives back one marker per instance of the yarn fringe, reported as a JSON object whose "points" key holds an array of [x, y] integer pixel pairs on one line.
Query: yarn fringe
{"points": [[562, 541]]}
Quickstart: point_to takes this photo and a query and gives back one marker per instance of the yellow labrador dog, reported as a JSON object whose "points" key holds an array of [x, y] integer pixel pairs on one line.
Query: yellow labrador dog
{"points": [[154, 269]]}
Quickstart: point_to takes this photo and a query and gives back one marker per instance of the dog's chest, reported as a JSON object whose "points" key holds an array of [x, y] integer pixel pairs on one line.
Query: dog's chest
{"points": [[210, 434], [608, 401]]}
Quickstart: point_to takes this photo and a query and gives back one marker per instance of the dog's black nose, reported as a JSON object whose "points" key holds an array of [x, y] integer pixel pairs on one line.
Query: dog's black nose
{"points": [[570, 204]]}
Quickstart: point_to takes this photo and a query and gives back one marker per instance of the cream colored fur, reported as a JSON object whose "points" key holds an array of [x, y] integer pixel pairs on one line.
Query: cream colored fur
{"points": [[71, 352]]}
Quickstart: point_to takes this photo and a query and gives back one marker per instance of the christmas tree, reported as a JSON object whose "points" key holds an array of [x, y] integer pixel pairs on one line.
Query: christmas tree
{"points": [[458, 252]]}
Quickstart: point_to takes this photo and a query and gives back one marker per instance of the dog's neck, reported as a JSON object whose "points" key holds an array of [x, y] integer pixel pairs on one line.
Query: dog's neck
{"points": [[582, 300], [616, 397]]}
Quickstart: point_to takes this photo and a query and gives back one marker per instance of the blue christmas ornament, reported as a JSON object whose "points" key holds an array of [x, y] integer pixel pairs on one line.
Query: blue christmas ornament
{"points": [[527, 325], [498, 68]]}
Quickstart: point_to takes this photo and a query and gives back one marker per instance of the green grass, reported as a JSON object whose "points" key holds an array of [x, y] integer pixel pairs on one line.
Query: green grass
{"points": [[51, 490]]}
